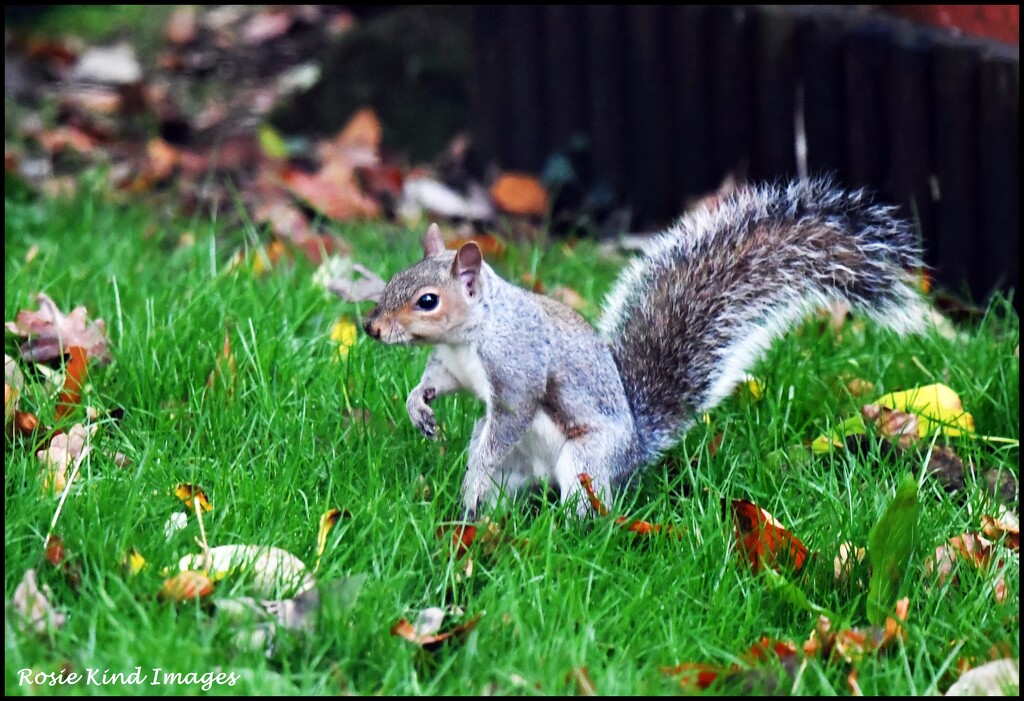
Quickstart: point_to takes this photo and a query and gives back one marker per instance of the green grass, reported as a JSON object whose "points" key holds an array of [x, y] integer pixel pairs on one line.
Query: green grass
{"points": [[304, 431]]}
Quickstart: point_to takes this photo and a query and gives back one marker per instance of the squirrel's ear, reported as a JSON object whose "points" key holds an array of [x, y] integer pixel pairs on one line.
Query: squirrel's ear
{"points": [[432, 241], [466, 267]]}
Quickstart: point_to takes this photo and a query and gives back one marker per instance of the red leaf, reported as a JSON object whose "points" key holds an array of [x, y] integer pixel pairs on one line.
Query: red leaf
{"points": [[762, 540]]}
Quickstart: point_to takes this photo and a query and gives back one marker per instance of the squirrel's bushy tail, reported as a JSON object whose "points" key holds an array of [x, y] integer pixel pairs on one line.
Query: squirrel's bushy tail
{"points": [[687, 320]]}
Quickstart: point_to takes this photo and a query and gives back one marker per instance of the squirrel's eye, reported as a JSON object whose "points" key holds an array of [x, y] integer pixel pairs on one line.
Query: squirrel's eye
{"points": [[427, 302]]}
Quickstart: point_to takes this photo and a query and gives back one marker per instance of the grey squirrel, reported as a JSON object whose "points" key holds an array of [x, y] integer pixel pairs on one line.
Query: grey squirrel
{"points": [[680, 328]]}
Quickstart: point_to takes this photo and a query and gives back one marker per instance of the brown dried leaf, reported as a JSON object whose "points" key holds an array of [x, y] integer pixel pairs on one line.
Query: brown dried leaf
{"points": [[51, 333], [1004, 526], [893, 423], [424, 631], [74, 378]]}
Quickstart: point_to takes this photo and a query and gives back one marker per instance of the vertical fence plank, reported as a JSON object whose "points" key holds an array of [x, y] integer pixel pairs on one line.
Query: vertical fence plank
{"points": [[908, 166], [864, 60], [688, 76], [485, 98], [951, 248], [524, 71], [566, 72], [999, 170], [606, 87], [731, 91], [647, 109], [824, 95], [774, 152]]}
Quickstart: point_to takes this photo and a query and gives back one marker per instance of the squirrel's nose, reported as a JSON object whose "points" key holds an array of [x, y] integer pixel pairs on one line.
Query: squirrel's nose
{"points": [[371, 327]]}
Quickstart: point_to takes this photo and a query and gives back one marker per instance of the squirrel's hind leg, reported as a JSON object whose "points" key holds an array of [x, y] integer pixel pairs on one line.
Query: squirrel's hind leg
{"points": [[594, 454]]}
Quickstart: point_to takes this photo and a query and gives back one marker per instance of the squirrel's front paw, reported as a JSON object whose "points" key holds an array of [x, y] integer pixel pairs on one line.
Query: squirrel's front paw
{"points": [[420, 413]]}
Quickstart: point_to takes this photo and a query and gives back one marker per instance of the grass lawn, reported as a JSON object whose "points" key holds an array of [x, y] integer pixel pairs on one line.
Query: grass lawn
{"points": [[304, 429]]}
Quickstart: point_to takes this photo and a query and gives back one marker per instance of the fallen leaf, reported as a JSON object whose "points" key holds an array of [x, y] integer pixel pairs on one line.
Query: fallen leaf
{"points": [[975, 549], [115, 65], [1005, 525], [423, 195], [580, 676], [186, 586], [266, 25], [328, 520], [270, 569], [996, 678], [517, 193], [859, 387], [691, 675], [847, 560], [133, 562], [752, 387], [332, 191], [54, 550], [345, 334], [174, 523], [762, 541], [181, 27], [32, 607], [890, 545], [64, 451], [892, 423], [936, 406], [349, 280], [50, 332], [491, 246], [837, 439], [189, 493], [74, 378], [634, 526], [424, 631]]}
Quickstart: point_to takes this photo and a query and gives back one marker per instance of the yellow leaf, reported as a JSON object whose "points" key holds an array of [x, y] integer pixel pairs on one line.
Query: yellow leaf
{"points": [[328, 520], [936, 406], [133, 562], [850, 427], [344, 333], [271, 142], [753, 387]]}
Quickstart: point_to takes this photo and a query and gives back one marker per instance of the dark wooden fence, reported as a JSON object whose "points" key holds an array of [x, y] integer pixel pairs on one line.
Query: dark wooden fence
{"points": [[672, 98]]}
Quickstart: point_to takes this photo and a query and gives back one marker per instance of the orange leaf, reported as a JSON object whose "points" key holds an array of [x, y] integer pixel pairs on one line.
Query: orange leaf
{"points": [[363, 129], [490, 245], [185, 586], [462, 538], [595, 501], [762, 540], [516, 193], [75, 372]]}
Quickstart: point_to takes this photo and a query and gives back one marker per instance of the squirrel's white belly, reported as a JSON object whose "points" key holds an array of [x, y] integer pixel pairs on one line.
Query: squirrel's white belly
{"points": [[464, 364], [537, 453]]}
